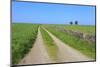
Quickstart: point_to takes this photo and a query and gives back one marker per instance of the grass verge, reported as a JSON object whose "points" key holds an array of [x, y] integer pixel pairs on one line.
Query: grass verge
{"points": [[50, 45], [23, 37]]}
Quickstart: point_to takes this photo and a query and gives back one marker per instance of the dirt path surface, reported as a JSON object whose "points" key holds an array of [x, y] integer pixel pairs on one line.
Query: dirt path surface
{"points": [[38, 54], [67, 53]]}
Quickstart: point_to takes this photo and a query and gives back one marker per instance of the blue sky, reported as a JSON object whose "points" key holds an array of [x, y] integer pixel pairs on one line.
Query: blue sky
{"points": [[27, 12]]}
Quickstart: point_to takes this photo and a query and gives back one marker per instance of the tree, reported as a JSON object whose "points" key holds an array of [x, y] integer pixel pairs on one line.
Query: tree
{"points": [[71, 23], [76, 22]]}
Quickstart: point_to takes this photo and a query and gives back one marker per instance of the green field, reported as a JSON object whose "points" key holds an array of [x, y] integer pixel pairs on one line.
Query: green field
{"points": [[23, 37], [88, 48], [88, 29]]}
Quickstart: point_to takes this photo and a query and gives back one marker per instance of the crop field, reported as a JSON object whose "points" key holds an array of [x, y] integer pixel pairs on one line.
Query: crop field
{"points": [[88, 29], [88, 48], [24, 38]]}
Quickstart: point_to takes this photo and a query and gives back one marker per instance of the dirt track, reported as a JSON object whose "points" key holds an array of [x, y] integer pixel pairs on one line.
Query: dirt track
{"points": [[67, 53], [39, 55]]}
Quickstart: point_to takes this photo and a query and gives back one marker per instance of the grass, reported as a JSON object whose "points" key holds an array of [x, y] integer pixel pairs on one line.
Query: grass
{"points": [[50, 45], [23, 37], [83, 46], [88, 29]]}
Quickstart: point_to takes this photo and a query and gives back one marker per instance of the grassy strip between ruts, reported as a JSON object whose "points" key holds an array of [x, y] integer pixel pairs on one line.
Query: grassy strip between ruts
{"points": [[23, 37], [75, 42], [50, 45]]}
